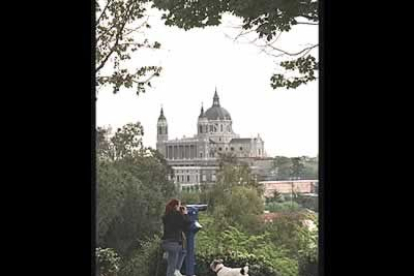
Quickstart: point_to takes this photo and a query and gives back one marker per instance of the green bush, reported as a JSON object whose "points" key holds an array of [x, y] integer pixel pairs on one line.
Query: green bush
{"points": [[190, 197], [237, 248], [258, 264], [308, 202], [308, 266], [107, 262], [282, 207], [145, 261]]}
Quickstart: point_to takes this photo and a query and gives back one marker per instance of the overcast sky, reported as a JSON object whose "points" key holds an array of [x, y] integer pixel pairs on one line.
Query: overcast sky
{"points": [[194, 63]]}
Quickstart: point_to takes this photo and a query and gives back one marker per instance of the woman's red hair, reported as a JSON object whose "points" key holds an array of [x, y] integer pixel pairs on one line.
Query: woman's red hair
{"points": [[171, 205]]}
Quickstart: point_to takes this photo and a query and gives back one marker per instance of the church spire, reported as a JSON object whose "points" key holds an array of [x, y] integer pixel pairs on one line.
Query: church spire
{"points": [[216, 100], [162, 117], [202, 111]]}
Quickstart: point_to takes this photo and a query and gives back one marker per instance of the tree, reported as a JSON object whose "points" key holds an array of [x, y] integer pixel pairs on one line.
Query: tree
{"points": [[233, 172], [111, 197], [132, 189], [266, 18], [297, 168], [237, 246], [236, 198], [190, 197], [282, 165], [120, 25], [310, 170], [292, 233], [309, 202]]}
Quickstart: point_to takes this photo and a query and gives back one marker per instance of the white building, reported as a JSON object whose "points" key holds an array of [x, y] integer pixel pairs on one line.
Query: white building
{"points": [[195, 160]]}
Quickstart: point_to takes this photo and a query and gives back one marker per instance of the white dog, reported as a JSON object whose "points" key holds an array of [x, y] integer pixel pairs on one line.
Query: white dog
{"points": [[221, 270]]}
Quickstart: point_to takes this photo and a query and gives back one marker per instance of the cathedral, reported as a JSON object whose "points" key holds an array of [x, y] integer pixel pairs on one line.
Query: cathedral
{"points": [[195, 160]]}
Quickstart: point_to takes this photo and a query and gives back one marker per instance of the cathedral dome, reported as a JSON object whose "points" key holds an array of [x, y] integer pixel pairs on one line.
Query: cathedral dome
{"points": [[216, 112]]}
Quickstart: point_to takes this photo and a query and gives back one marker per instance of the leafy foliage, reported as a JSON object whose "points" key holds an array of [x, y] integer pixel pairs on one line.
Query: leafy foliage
{"points": [[233, 172], [292, 233], [309, 202], [282, 165], [296, 167], [269, 17], [119, 24], [133, 187], [236, 197], [283, 206], [145, 261], [306, 66], [237, 248], [266, 18], [107, 262], [190, 197]]}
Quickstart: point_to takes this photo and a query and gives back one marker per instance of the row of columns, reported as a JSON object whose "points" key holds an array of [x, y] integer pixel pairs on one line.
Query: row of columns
{"points": [[181, 151]]}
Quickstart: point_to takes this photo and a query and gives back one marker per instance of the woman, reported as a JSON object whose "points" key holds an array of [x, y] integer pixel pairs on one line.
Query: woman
{"points": [[175, 222]]}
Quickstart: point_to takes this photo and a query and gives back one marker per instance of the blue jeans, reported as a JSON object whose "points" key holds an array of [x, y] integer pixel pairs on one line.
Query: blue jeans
{"points": [[176, 255]]}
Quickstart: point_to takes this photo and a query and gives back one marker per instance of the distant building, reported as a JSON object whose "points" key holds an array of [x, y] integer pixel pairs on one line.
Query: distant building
{"points": [[272, 217], [289, 186], [195, 160]]}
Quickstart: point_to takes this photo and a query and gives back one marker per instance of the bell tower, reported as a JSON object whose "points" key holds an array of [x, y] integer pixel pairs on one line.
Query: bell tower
{"points": [[162, 132], [202, 123]]}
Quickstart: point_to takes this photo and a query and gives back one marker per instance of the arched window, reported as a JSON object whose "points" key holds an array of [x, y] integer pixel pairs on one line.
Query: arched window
{"points": [[200, 129]]}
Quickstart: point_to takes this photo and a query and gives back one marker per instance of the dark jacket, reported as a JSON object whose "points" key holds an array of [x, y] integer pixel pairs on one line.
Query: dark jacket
{"points": [[174, 224]]}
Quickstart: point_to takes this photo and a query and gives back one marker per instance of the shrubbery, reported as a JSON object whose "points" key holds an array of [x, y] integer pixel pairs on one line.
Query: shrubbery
{"points": [[237, 248], [282, 207], [107, 262], [132, 191], [145, 261]]}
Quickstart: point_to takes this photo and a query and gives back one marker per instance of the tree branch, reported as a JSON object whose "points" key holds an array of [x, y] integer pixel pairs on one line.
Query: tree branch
{"points": [[244, 33], [103, 12], [149, 78], [308, 17], [118, 36], [129, 31], [104, 33], [307, 23], [270, 54], [293, 54]]}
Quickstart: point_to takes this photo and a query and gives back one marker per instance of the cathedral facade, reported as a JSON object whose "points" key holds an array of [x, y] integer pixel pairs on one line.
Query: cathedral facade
{"points": [[195, 160]]}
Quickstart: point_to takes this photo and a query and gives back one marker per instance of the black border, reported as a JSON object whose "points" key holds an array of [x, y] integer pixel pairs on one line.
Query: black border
{"points": [[93, 140], [51, 115], [322, 179]]}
